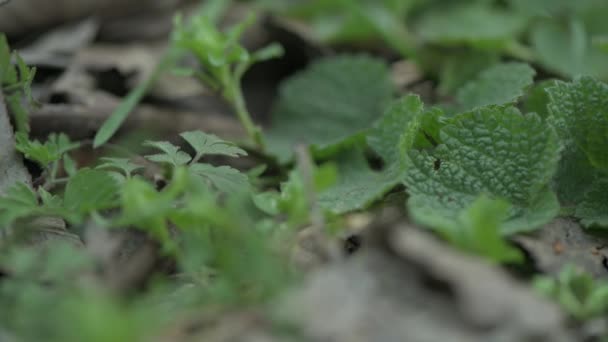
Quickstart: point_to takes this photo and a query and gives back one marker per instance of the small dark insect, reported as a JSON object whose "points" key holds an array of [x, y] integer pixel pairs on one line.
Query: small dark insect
{"points": [[437, 164]]}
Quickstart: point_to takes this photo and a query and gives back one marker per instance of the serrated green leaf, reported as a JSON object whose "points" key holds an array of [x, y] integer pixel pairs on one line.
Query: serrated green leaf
{"points": [[471, 24], [44, 154], [19, 202], [579, 111], [90, 190], [358, 185], [123, 164], [205, 144], [593, 208], [333, 99], [172, 154], [492, 150], [222, 178], [500, 84]]}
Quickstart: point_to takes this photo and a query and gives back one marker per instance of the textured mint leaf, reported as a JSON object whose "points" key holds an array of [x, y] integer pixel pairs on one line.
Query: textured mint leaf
{"points": [[90, 190], [222, 178], [205, 144], [358, 185], [172, 154], [495, 151], [500, 84], [567, 49], [333, 99], [579, 110], [593, 209], [472, 24]]}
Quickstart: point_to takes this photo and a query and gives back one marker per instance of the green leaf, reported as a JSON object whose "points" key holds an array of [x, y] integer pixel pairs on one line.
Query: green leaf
{"points": [[577, 292], [472, 24], [492, 150], [500, 84], [222, 178], [358, 185], [567, 49], [593, 208], [90, 190], [172, 154], [205, 144], [123, 164], [44, 154], [477, 229], [579, 111], [333, 99], [20, 201]]}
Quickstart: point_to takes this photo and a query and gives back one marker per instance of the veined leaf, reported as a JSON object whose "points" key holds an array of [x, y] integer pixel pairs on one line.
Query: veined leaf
{"points": [[492, 150]]}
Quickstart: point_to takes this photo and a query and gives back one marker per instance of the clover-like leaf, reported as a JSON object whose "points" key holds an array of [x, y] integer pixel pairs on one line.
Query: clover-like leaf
{"points": [[125, 165], [492, 150], [205, 144], [222, 178], [172, 154]]}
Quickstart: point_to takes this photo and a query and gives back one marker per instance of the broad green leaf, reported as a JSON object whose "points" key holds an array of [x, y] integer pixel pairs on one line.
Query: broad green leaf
{"points": [[90, 190], [500, 84], [495, 151], [358, 185], [593, 208], [458, 68], [472, 24], [335, 98], [579, 111], [567, 49], [205, 144], [222, 178], [172, 154]]}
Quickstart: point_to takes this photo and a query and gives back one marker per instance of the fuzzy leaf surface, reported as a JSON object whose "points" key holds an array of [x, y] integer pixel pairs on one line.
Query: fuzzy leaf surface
{"points": [[495, 151]]}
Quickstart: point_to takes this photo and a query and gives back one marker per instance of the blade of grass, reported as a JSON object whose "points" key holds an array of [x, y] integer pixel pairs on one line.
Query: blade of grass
{"points": [[120, 114]]}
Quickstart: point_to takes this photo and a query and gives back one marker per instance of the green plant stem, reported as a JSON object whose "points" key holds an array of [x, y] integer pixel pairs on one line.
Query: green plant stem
{"points": [[234, 95]]}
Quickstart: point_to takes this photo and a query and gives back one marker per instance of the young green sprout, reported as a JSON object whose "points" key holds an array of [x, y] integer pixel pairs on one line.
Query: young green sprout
{"points": [[223, 61]]}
